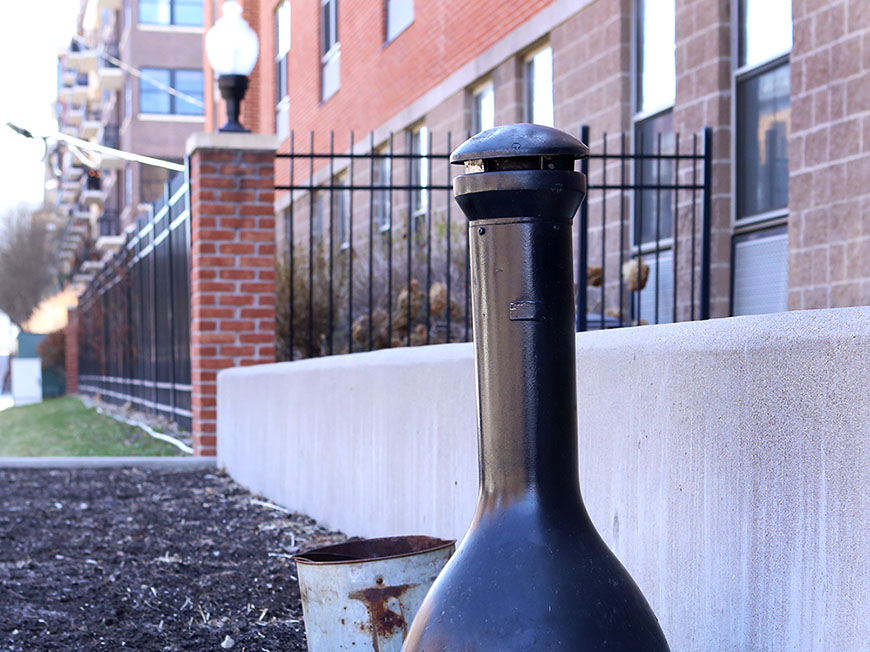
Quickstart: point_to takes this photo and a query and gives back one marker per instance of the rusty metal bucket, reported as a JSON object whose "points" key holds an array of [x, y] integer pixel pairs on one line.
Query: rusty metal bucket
{"points": [[363, 595]]}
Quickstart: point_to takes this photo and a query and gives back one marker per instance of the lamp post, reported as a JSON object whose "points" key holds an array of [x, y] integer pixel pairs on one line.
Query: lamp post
{"points": [[232, 48]]}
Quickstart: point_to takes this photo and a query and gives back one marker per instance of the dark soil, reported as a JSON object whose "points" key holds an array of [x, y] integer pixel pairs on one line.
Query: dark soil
{"points": [[146, 560]]}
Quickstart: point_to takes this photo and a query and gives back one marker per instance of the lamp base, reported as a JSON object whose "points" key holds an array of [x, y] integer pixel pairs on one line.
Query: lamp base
{"points": [[233, 89]]}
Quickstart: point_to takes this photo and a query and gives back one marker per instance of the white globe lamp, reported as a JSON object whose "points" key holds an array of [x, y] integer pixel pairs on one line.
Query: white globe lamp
{"points": [[232, 48]]}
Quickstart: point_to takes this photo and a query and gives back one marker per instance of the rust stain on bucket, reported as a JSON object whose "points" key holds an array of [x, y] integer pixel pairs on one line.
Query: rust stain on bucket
{"points": [[363, 595], [386, 622]]}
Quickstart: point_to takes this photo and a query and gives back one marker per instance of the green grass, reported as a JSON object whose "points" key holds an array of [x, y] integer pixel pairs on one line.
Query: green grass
{"points": [[65, 427]]}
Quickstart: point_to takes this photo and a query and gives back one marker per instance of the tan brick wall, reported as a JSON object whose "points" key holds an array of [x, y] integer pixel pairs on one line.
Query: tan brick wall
{"points": [[592, 86], [829, 155], [703, 49]]}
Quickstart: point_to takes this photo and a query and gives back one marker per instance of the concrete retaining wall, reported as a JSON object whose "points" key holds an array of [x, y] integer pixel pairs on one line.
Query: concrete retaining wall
{"points": [[726, 463]]}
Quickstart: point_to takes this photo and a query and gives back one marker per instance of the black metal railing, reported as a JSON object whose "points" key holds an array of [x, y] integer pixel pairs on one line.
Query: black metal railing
{"points": [[111, 136], [376, 252], [134, 334], [643, 254], [92, 180], [109, 222], [109, 56]]}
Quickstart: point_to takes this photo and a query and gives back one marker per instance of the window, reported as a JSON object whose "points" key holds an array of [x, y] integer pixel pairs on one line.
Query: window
{"points": [[317, 216], [762, 117], [381, 199], [654, 209], [330, 53], [282, 46], [332, 205], [400, 14], [128, 185], [483, 108], [128, 100], [419, 173], [762, 142], [761, 271], [763, 107], [186, 13], [539, 87], [655, 90], [656, 55], [154, 96], [282, 49]]}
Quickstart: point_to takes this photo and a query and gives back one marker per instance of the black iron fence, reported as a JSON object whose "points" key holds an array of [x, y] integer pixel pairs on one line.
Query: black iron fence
{"points": [[643, 249], [376, 251], [134, 323]]}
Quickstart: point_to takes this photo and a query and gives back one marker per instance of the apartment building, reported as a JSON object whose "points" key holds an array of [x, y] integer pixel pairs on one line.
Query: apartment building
{"points": [[132, 79], [783, 86]]}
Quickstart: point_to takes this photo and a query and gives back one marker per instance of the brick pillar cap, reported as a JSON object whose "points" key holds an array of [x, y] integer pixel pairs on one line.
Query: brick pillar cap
{"points": [[231, 140]]}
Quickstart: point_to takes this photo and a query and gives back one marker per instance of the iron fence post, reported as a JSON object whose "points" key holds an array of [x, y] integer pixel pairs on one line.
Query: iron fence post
{"points": [[705, 223], [583, 244]]}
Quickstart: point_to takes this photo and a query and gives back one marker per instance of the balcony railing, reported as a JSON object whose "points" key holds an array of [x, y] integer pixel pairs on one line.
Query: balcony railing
{"points": [[109, 55], [109, 223], [92, 182], [111, 136]]}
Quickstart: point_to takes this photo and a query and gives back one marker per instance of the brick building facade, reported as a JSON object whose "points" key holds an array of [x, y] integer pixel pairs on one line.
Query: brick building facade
{"points": [[783, 85]]}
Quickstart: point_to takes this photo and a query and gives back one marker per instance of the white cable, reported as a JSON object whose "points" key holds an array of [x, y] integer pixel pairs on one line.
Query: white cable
{"points": [[102, 149], [138, 73], [180, 445], [89, 159], [117, 153]]}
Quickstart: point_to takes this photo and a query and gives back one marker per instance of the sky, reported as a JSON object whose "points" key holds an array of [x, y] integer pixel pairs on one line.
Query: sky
{"points": [[31, 33]]}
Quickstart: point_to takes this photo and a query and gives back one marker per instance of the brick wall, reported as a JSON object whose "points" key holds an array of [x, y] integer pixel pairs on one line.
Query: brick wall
{"points": [[232, 266], [71, 351], [443, 37], [829, 155]]}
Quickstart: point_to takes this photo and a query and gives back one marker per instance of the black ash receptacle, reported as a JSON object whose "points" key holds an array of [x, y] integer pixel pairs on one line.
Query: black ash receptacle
{"points": [[532, 573]]}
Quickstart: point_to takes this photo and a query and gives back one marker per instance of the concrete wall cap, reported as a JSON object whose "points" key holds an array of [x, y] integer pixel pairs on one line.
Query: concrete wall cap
{"points": [[383, 358], [734, 333], [231, 141]]}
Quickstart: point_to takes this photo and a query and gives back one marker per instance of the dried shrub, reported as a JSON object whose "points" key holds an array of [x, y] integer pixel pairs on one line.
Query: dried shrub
{"points": [[380, 308]]}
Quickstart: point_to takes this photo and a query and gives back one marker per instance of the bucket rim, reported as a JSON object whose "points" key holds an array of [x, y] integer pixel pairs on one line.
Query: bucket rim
{"points": [[432, 544]]}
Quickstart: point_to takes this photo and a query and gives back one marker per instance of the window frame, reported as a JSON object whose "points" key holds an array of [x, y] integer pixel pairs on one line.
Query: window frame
{"points": [[772, 221], [383, 188], [330, 47], [282, 60], [740, 73], [477, 93], [529, 83], [173, 100], [282, 56], [340, 210], [172, 15], [640, 117], [388, 38], [420, 172]]}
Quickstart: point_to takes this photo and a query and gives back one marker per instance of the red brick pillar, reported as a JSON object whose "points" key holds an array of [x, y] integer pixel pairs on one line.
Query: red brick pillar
{"points": [[232, 225], [71, 351]]}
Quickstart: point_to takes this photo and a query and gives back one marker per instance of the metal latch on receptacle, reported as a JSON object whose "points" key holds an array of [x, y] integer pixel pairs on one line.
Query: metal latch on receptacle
{"points": [[527, 311]]}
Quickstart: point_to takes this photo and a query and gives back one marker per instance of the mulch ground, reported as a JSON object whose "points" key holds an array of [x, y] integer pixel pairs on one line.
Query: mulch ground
{"points": [[112, 559]]}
